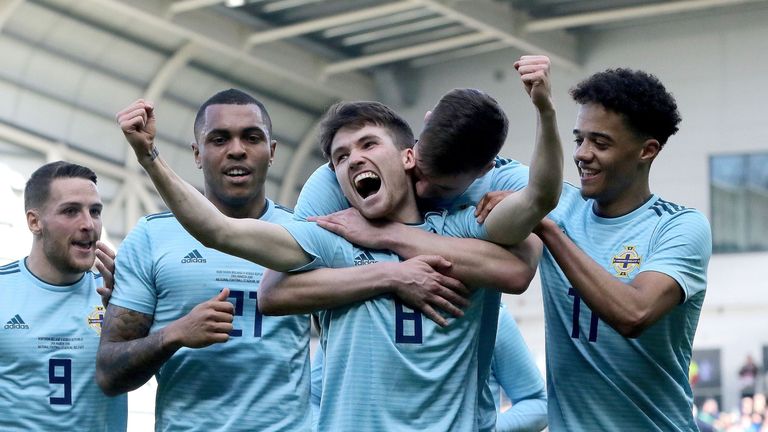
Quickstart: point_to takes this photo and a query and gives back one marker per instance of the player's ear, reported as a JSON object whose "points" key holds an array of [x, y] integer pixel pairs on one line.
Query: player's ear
{"points": [[272, 147], [34, 223], [409, 160], [651, 148], [196, 152]]}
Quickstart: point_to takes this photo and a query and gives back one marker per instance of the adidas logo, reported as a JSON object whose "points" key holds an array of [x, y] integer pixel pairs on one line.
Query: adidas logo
{"points": [[193, 257], [364, 259], [16, 323]]}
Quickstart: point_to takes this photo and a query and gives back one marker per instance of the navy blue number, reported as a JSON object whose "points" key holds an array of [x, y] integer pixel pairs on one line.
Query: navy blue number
{"points": [[65, 378], [258, 317], [576, 312], [239, 297], [407, 324]]}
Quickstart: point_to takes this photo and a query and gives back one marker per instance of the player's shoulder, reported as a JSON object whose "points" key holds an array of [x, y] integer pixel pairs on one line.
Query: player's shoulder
{"points": [[7, 270], [158, 217], [502, 162], [669, 212], [283, 208]]}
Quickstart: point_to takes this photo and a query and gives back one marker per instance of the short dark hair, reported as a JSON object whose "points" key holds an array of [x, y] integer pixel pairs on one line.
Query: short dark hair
{"points": [[359, 114], [231, 97], [465, 132], [38, 187], [639, 97]]}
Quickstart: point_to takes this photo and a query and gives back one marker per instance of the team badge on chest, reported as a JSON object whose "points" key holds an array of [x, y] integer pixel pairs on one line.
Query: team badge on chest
{"points": [[96, 318], [626, 261]]}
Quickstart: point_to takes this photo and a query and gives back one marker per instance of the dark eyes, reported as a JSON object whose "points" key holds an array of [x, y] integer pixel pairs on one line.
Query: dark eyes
{"points": [[598, 143]]}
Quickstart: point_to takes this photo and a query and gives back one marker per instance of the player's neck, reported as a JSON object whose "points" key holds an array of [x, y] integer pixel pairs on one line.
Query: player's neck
{"points": [[254, 207], [407, 211], [628, 202], [39, 265]]}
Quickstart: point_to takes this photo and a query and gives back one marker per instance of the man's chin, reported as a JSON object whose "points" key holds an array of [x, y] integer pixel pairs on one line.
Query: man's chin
{"points": [[82, 265], [372, 211]]}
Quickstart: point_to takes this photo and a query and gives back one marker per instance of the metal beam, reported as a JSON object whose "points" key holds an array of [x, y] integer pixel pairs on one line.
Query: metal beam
{"points": [[291, 177], [159, 83], [377, 22], [329, 22], [514, 41], [46, 147], [457, 54], [375, 35], [405, 53], [7, 8], [628, 13], [293, 76], [182, 6], [286, 4]]}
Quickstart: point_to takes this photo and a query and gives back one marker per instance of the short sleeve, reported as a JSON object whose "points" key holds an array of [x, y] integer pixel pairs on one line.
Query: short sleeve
{"points": [[508, 175], [320, 244], [320, 195], [681, 249], [134, 272], [463, 224]]}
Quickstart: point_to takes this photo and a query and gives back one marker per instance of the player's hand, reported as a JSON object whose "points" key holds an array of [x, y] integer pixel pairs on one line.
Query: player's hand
{"points": [[488, 202], [546, 225], [208, 323], [534, 72], [424, 285], [105, 264], [351, 225], [137, 122]]}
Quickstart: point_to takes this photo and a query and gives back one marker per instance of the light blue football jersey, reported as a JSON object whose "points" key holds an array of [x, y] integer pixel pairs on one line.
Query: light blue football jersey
{"points": [[48, 346], [259, 379], [388, 368], [596, 378], [322, 195], [514, 370]]}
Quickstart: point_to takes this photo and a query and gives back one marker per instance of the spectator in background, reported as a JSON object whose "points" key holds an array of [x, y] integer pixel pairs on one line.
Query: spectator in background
{"points": [[748, 377]]}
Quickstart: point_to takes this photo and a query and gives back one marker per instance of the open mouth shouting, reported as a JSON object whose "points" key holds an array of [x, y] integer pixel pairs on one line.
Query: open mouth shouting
{"points": [[367, 184]]}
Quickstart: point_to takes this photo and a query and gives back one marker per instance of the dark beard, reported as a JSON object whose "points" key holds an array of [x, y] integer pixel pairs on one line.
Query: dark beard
{"points": [[59, 258]]}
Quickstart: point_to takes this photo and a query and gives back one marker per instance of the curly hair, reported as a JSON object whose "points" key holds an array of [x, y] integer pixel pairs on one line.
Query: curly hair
{"points": [[647, 107]]}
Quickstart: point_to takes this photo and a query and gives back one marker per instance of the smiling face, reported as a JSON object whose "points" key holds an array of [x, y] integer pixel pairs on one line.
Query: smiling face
{"points": [[66, 228], [373, 174], [234, 150], [613, 161]]}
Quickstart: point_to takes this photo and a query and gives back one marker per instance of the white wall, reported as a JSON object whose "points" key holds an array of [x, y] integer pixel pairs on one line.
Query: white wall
{"points": [[716, 65]]}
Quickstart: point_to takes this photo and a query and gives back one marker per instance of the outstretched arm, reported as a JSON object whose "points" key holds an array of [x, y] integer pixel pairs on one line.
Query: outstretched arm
{"points": [[419, 282], [245, 238], [515, 217], [475, 262], [129, 355]]}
